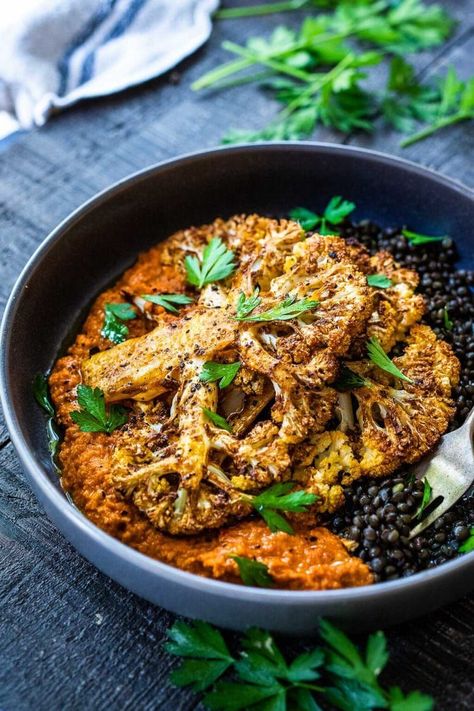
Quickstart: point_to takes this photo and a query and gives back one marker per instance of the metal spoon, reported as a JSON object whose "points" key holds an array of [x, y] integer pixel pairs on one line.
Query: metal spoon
{"points": [[449, 471]]}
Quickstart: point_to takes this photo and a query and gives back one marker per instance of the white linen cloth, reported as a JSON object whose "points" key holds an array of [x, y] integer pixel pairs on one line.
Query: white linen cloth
{"points": [[55, 52]]}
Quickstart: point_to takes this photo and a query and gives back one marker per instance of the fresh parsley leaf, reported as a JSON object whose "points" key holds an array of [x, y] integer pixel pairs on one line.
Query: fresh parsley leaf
{"points": [[348, 380], [378, 356], [415, 238], [168, 301], [455, 104], [223, 372], [93, 416], [288, 309], [307, 219], [233, 696], [114, 314], [447, 323], [426, 498], [217, 420], [206, 654], [406, 100], [217, 263], [41, 393], [468, 545], [337, 209], [253, 572], [281, 497], [380, 281], [413, 701], [246, 304]]}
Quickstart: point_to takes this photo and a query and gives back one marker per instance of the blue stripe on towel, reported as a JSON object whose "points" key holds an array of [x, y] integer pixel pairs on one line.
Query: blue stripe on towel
{"points": [[95, 21], [122, 24]]}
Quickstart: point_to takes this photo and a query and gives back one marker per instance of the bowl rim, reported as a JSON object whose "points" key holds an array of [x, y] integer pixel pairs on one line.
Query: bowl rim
{"points": [[96, 536]]}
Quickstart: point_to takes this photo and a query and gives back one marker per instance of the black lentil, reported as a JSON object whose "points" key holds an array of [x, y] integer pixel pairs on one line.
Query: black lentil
{"points": [[378, 512]]}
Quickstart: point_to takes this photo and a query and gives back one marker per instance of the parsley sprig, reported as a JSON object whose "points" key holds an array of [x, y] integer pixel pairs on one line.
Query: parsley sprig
{"points": [[246, 304], [334, 672], [416, 238], [292, 62], [170, 302], [379, 281], [447, 322], [217, 419], [223, 372], [334, 213], [43, 398], [290, 308], [93, 415], [253, 572], [378, 356], [217, 263], [114, 315], [348, 380], [425, 499], [468, 545], [280, 497]]}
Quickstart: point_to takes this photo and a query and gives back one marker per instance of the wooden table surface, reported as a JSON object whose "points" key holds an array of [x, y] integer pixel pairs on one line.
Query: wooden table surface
{"points": [[71, 638]]}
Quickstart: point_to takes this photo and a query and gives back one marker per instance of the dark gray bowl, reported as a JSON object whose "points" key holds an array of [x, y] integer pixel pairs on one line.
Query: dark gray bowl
{"points": [[95, 244]]}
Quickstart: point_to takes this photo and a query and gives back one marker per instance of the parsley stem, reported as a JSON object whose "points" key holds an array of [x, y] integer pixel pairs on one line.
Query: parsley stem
{"points": [[432, 128], [231, 13], [277, 66]]}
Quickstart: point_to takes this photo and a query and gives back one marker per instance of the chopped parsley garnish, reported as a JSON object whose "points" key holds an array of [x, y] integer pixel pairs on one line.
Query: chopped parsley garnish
{"points": [[290, 308], [41, 393], [217, 263], [113, 328], [253, 572], [426, 498], [447, 323], [336, 673], [334, 213], [280, 497], [468, 545], [348, 380], [378, 356], [380, 281], [168, 301], [416, 238], [93, 415], [246, 304], [222, 372], [43, 398], [217, 420]]}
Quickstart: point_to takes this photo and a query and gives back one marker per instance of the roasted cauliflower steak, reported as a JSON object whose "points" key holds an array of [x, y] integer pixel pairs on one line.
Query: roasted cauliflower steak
{"points": [[287, 422]]}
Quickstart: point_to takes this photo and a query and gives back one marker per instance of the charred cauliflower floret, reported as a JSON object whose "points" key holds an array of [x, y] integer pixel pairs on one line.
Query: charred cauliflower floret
{"points": [[284, 420], [401, 421]]}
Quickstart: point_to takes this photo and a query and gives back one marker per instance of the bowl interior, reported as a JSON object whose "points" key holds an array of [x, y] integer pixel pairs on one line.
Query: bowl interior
{"points": [[95, 245]]}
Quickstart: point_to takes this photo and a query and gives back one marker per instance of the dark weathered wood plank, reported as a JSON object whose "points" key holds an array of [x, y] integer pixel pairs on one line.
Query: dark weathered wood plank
{"points": [[71, 638]]}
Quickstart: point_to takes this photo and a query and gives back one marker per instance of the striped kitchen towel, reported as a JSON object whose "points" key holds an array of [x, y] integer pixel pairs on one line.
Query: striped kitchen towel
{"points": [[54, 53]]}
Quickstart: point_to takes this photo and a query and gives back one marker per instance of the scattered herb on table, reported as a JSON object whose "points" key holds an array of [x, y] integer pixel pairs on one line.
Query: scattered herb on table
{"points": [[290, 308], [348, 380], [317, 75], [217, 420], [170, 302], [217, 263], [468, 545], [114, 314], [222, 372], [246, 304], [280, 497], [334, 213], [447, 322], [93, 416], [43, 398], [425, 500], [253, 572], [378, 356], [379, 281], [416, 239], [334, 672]]}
